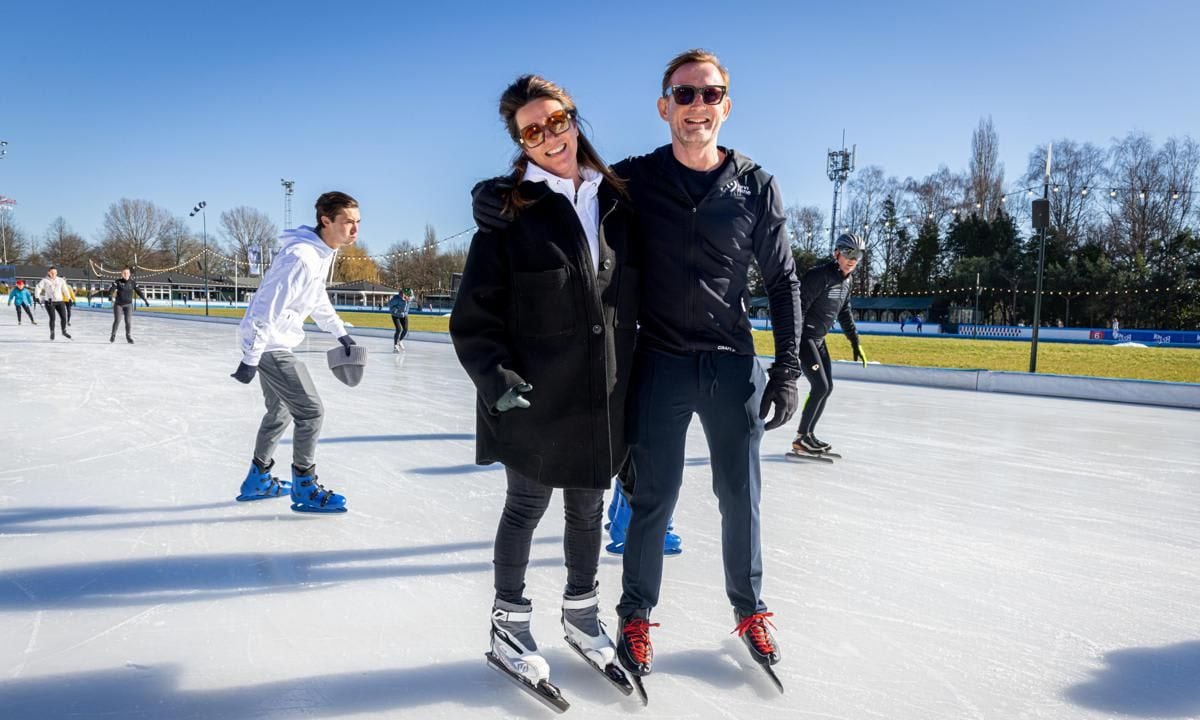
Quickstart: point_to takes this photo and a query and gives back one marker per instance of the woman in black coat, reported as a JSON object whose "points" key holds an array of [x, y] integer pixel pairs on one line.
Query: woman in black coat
{"points": [[544, 325]]}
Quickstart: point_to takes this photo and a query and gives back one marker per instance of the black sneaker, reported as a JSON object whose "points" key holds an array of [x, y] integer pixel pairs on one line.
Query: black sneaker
{"points": [[754, 632], [633, 647]]}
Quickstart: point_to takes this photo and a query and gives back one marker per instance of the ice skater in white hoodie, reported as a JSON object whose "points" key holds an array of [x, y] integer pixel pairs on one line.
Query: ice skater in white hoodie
{"points": [[291, 290]]}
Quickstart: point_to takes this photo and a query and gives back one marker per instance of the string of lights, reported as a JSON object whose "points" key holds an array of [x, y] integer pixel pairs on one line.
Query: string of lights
{"points": [[1086, 191], [971, 289]]}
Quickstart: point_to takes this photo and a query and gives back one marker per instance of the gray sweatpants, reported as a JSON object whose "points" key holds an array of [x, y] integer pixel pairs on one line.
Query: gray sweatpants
{"points": [[290, 395]]}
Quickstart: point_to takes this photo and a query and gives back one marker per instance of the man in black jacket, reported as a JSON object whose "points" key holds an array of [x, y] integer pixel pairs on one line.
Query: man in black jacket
{"points": [[706, 212], [121, 293], [825, 296]]}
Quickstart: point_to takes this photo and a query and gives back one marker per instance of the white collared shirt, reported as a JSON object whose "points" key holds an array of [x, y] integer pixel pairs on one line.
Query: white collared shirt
{"points": [[585, 200]]}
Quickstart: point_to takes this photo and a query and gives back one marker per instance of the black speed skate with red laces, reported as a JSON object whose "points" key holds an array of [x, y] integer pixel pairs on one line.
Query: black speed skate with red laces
{"points": [[635, 651], [754, 631]]}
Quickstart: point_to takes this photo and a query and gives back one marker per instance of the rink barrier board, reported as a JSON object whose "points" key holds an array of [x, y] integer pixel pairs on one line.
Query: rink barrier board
{"points": [[1138, 392]]}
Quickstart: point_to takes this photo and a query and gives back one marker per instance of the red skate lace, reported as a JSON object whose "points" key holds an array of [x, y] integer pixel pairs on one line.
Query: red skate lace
{"points": [[756, 625], [637, 637]]}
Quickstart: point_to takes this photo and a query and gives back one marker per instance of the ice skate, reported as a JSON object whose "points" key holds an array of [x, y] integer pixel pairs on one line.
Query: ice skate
{"points": [[807, 447], [310, 496], [635, 652], [261, 485], [396, 348], [618, 524], [754, 632], [809, 444], [588, 637], [515, 653]]}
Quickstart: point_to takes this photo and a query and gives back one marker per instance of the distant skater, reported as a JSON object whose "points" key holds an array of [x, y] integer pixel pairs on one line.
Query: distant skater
{"points": [[23, 300], [398, 306], [53, 291], [121, 292]]}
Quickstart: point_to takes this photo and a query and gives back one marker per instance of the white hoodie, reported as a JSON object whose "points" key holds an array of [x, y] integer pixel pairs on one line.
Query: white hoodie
{"points": [[53, 289], [292, 289]]}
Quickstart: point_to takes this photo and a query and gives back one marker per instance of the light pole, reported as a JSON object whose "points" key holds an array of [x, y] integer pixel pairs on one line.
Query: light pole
{"points": [[975, 315], [839, 164], [289, 187], [3, 149], [1041, 220], [204, 223]]}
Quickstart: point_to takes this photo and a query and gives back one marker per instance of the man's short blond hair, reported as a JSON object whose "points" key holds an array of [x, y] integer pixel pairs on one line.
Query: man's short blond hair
{"points": [[695, 55]]}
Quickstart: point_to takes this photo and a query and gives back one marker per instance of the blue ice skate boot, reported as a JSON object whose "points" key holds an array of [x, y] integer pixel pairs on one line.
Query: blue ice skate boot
{"points": [[310, 496], [619, 513], [261, 485]]}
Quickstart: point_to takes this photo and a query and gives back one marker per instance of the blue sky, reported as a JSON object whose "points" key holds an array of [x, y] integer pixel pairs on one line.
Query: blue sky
{"points": [[218, 101]]}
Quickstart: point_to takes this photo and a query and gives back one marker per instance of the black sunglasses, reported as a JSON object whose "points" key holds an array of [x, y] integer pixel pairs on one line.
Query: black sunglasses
{"points": [[686, 94], [534, 134]]}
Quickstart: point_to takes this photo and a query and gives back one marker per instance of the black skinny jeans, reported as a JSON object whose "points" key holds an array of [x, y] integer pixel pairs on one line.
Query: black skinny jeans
{"points": [[524, 506], [27, 312], [401, 324], [118, 312], [60, 308], [814, 361]]}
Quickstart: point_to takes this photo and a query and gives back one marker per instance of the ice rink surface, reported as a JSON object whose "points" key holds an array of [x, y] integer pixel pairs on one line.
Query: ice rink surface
{"points": [[973, 556]]}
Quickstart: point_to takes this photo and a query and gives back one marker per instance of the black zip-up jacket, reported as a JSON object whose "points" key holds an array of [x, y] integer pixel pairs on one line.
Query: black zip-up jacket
{"points": [[825, 296], [695, 257], [124, 290]]}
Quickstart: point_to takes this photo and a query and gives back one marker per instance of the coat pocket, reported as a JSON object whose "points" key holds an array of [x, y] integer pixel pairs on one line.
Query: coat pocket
{"points": [[545, 303]]}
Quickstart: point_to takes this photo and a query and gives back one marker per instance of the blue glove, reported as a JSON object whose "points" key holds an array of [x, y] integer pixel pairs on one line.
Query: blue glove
{"points": [[512, 398], [245, 373], [346, 342]]}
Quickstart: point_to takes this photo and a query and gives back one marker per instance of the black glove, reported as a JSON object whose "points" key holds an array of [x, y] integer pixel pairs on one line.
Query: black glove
{"points": [[245, 373], [487, 204], [147, 302], [512, 398], [346, 342], [780, 392]]}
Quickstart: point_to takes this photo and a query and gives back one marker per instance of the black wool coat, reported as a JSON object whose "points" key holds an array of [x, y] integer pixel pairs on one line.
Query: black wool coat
{"points": [[531, 309]]}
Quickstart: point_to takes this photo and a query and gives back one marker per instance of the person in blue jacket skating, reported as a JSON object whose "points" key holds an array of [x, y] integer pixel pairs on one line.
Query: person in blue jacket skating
{"points": [[24, 300]]}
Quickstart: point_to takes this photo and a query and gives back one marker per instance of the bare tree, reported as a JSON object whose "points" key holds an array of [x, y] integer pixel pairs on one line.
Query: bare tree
{"points": [[1141, 214], [246, 228], [1181, 163], [64, 246], [864, 215], [933, 196], [986, 171], [806, 228], [133, 231], [178, 243], [13, 243], [1075, 173]]}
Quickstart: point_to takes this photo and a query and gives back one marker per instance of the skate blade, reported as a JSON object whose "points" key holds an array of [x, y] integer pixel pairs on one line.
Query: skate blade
{"points": [[611, 672], [793, 455], [252, 498], [298, 507], [640, 688], [545, 693], [770, 671]]}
